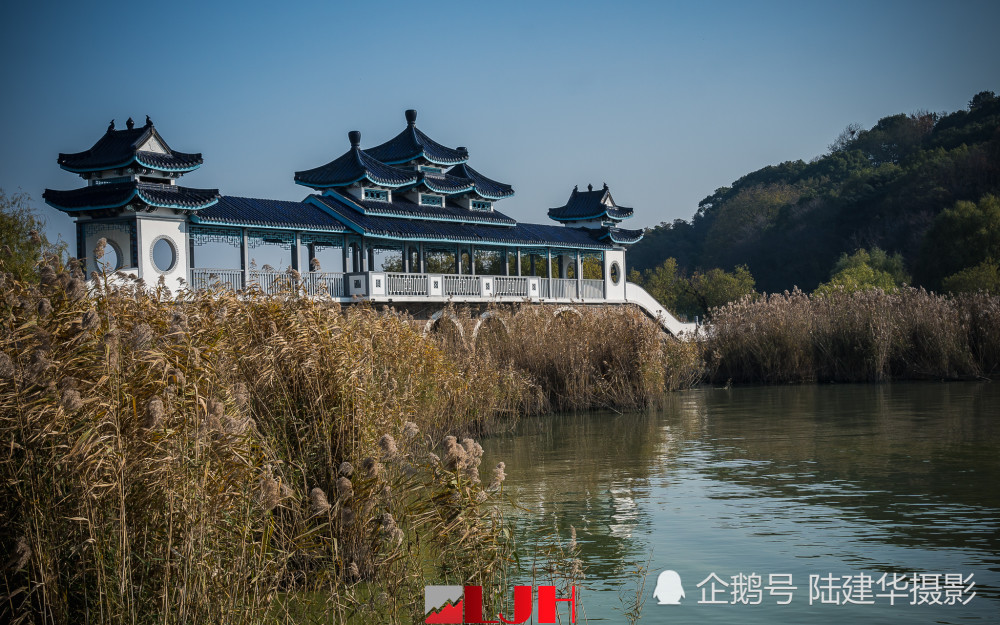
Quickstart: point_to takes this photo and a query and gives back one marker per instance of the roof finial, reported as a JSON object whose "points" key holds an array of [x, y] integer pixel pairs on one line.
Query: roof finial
{"points": [[129, 123], [462, 151], [355, 138], [590, 187], [149, 122], [111, 126], [605, 186], [576, 188], [411, 116]]}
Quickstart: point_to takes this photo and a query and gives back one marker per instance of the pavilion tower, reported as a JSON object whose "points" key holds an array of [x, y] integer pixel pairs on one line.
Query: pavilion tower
{"points": [[410, 166], [133, 201], [596, 213]]}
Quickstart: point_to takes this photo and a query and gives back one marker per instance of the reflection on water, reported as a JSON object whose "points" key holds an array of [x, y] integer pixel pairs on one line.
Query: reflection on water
{"points": [[804, 480]]}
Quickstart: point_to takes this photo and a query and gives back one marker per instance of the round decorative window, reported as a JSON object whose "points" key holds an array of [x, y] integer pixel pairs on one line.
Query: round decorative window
{"points": [[164, 254], [616, 273]]}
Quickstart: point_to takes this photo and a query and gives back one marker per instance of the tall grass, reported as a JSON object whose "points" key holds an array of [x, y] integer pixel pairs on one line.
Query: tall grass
{"points": [[577, 359], [864, 336], [255, 459]]}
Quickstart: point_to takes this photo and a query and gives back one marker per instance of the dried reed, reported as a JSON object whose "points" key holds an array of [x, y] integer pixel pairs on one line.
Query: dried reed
{"points": [[176, 460], [864, 336]]}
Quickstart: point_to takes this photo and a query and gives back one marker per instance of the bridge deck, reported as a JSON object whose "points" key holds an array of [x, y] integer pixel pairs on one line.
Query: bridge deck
{"points": [[390, 287]]}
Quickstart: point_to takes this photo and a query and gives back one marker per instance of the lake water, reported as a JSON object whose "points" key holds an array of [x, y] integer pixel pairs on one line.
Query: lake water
{"points": [[843, 482]]}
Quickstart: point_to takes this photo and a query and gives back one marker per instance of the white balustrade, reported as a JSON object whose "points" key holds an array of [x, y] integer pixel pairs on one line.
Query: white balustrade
{"points": [[272, 282], [398, 284], [202, 278], [562, 288], [592, 289], [324, 283], [543, 288], [510, 286], [467, 286], [406, 284]]}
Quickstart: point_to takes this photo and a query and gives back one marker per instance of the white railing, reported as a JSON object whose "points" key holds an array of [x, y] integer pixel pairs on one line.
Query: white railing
{"points": [[461, 285], [231, 279], [510, 286], [272, 282], [635, 294], [396, 284], [324, 283], [405, 284], [592, 289], [562, 288], [543, 288]]}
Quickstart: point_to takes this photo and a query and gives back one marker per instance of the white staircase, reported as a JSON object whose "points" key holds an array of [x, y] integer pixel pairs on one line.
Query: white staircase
{"points": [[635, 294]]}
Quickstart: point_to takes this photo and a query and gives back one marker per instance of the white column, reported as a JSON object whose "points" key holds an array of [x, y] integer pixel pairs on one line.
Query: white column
{"points": [[548, 268], [579, 274], [245, 256]]}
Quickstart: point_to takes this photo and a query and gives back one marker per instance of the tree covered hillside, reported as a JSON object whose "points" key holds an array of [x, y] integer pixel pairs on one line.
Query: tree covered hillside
{"points": [[885, 187]]}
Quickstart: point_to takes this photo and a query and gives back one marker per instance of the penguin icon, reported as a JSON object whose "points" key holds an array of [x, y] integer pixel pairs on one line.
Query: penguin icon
{"points": [[668, 588]]}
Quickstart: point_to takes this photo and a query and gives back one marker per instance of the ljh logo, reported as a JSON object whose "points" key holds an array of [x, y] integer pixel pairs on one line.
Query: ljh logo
{"points": [[464, 604]]}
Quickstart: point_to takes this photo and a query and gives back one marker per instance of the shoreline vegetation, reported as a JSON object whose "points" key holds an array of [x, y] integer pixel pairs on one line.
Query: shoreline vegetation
{"points": [[254, 459], [855, 336]]}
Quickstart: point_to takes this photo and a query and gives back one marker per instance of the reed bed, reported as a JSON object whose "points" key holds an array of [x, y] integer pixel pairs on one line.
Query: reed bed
{"points": [[576, 358], [863, 336], [254, 459]]}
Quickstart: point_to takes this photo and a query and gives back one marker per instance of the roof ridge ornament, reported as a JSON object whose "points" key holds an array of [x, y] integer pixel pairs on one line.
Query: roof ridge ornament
{"points": [[605, 186], [590, 187], [463, 151], [111, 126], [129, 123], [411, 116], [355, 138], [149, 122]]}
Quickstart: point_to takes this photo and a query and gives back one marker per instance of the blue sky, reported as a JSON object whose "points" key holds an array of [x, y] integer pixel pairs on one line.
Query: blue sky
{"points": [[664, 101]]}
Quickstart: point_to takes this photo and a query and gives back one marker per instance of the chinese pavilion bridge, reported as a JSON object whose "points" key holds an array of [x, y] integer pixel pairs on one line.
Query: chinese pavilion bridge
{"points": [[406, 220]]}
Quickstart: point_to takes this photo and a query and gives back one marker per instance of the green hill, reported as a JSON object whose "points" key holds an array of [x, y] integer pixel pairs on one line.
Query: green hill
{"points": [[884, 187]]}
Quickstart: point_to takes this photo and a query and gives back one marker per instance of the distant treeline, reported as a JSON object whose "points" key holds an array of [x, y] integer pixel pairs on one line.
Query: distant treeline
{"points": [[921, 185]]}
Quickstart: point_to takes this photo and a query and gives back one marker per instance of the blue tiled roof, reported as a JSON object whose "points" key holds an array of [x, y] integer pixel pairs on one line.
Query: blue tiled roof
{"points": [[113, 196], [487, 188], [403, 207], [175, 161], [621, 236], [447, 184], [119, 148], [246, 211], [412, 144], [353, 166], [586, 205], [422, 230]]}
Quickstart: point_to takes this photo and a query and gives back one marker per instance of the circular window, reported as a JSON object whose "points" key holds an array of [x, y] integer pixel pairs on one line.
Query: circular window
{"points": [[164, 254], [616, 273]]}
